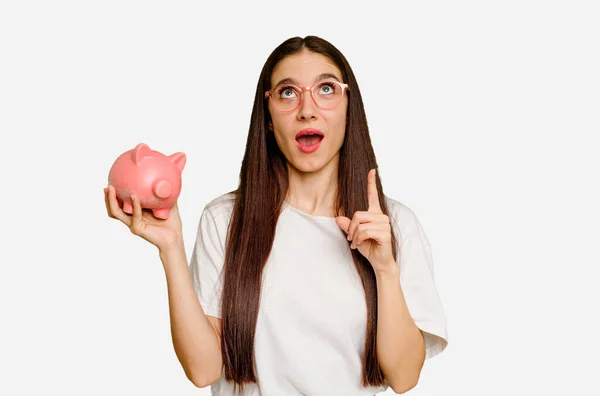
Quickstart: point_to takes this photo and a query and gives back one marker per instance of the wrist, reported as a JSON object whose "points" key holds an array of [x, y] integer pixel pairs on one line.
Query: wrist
{"points": [[175, 248], [391, 271]]}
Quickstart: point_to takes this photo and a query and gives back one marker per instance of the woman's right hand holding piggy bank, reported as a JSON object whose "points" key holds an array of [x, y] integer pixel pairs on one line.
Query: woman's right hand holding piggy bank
{"points": [[164, 234], [142, 192]]}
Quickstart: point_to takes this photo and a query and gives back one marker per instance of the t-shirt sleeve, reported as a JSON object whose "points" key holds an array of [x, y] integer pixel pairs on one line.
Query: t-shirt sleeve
{"points": [[207, 261], [417, 281]]}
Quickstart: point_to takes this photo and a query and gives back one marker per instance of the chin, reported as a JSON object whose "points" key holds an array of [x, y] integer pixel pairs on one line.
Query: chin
{"points": [[305, 166], [309, 165]]}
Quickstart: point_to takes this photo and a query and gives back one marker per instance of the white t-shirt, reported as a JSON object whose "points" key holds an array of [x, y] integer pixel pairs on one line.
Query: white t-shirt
{"points": [[311, 322]]}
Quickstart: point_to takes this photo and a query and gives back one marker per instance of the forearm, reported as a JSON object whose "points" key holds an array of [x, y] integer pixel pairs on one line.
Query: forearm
{"points": [[194, 339], [400, 344]]}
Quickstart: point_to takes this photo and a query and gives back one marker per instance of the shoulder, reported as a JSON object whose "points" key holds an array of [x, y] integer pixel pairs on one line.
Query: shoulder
{"points": [[399, 210], [221, 206], [215, 218], [402, 217]]}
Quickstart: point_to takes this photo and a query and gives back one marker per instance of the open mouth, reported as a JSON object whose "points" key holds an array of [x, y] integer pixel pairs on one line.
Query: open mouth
{"points": [[309, 140], [309, 144]]}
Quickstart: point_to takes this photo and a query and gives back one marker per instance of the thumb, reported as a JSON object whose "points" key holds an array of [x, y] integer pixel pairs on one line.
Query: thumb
{"points": [[343, 222]]}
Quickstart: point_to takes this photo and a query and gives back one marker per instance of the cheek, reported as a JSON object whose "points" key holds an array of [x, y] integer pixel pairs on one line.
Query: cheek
{"points": [[282, 131], [284, 125], [337, 124], [340, 117]]}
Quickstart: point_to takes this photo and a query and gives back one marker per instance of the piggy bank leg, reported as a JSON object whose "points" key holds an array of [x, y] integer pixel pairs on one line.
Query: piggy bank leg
{"points": [[127, 207], [161, 213]]}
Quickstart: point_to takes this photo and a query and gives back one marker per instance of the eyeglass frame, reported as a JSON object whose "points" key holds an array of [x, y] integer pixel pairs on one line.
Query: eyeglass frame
{"points": [[344, 86]]}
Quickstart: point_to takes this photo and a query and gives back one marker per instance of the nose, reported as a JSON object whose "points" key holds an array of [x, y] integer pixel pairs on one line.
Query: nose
{"points": [[308, 108]]}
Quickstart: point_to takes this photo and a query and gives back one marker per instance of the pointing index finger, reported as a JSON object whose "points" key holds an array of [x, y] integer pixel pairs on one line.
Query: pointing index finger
{"points": [[373, 193]]}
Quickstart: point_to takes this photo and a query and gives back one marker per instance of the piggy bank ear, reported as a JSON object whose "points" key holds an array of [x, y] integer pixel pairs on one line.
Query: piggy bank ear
{"points": [[140, 152], [179, 160]]}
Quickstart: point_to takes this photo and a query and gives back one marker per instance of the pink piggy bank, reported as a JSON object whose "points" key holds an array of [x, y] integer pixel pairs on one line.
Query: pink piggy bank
{"points": [[154, 177]]}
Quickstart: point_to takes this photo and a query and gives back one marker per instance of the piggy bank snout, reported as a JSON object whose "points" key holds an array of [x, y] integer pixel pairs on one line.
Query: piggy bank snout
{"points": [[162, 188]]}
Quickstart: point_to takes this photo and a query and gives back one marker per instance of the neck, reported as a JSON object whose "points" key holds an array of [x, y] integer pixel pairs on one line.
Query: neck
{"points": [[314, 192]]}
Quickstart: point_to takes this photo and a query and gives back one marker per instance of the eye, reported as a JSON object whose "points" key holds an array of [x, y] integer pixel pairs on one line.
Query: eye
{"points": [[327, 88], [286, 92]]}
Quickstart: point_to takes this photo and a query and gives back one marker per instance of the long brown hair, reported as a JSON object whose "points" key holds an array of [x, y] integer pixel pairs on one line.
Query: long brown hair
{"points": [[259, 199]]}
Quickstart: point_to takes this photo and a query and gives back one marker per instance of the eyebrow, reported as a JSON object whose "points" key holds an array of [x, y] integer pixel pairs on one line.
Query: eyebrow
{"points": [[321, 76]]}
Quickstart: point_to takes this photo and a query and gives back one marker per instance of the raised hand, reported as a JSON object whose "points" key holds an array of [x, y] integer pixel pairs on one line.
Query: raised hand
{"points": [[370, 231]]}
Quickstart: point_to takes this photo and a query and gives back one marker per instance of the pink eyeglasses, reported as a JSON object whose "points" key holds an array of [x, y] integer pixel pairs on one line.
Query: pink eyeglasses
{"points": [[327, 95]]}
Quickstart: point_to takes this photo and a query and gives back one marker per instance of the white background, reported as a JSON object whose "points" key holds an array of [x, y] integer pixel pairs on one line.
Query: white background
{"points": [[483, 116]]}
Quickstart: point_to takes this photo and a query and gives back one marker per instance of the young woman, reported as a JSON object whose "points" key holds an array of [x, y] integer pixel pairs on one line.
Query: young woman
{"points": [[307, 279]]}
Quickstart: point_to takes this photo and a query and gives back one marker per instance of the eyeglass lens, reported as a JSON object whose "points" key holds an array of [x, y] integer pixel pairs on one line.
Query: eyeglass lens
{"points": [[326, 94]]}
